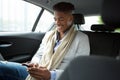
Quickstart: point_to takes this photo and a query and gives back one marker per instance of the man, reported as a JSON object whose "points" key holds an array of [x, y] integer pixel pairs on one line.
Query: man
{"points": [[57, 49]]}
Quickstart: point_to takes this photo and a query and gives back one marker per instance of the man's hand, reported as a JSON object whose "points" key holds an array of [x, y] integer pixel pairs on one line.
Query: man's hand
{"points": [[38, 72]]}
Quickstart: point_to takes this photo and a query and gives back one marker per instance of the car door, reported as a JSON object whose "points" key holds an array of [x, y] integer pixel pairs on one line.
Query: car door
{"points": [[19, 47], [22, 27]]}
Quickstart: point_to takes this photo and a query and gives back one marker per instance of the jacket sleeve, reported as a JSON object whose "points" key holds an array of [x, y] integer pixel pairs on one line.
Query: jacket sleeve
{"points": [[36, 58], [83, 46], [58, 73]]}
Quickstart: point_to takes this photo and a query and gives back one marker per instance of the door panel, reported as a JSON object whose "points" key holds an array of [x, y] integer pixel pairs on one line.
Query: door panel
{"points": [[19, 47]]}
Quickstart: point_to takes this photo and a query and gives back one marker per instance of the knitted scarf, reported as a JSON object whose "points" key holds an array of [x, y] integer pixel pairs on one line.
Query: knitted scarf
{"points": [[52, 59]]}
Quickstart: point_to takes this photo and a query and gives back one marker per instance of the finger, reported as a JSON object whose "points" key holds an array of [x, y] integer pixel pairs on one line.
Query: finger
{"points": [[31, 64], [36, 65], [34, 71], [38, 77]]}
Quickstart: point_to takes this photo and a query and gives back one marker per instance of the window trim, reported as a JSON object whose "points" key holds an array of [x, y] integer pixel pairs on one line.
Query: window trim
{"points": [[37, 20]]}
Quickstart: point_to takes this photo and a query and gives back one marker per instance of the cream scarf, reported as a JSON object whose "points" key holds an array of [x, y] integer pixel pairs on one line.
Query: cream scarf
{"points": [[52, 60]]}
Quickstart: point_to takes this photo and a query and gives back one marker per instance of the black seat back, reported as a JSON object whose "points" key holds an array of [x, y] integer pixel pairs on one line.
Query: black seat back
{"points": [[104, 43]]}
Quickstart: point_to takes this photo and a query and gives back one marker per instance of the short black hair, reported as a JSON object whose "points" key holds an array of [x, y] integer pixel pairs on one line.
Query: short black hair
{"points": [[63, 7]]}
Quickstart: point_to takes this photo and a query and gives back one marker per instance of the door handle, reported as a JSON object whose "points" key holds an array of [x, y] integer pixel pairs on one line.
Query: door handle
{"points": [[4, 44]]}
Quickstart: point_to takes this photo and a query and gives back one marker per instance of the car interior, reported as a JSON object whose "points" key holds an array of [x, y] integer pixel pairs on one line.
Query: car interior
{"points": [[104, 57], [103, 42], [92, 68]]}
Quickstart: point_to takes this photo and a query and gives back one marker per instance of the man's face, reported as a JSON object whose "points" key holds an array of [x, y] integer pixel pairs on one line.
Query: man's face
{"points": [[62, 20]]}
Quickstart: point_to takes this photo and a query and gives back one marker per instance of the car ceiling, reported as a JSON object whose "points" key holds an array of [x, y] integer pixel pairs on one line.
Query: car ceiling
{"points": [[86, 7]]}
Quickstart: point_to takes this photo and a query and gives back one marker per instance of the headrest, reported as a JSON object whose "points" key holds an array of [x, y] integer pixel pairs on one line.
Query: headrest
{"points": [[78, 19], [98, 27], [111, 12]]}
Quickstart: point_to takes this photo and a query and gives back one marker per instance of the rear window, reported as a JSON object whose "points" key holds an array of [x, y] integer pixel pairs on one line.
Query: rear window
{"points": [[90, 20]]}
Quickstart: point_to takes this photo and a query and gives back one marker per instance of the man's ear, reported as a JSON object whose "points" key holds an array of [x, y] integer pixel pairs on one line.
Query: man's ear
{"points": [[70, 21], [71, 18]]}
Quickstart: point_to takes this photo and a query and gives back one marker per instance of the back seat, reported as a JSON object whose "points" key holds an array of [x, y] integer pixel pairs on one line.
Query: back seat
{"points": [[103, 41]]}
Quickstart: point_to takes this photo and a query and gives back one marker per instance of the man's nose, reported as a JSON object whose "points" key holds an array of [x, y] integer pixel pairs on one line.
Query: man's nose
{"points": [[57, 22]]}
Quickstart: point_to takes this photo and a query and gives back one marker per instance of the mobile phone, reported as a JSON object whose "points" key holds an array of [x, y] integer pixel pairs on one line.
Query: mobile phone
{"points": [[26, 64]]}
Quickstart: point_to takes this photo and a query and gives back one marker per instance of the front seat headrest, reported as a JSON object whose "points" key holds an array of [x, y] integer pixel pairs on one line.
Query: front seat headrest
{"points": [[92, 68], [111, 12], [78, 18]]}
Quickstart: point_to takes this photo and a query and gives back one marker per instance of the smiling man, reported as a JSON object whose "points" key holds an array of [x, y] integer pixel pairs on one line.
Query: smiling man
{"points": [[58, 48], [60, 45]]}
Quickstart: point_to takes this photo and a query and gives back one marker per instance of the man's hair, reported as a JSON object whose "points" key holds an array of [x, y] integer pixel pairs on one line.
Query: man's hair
{"points": [[63, 7]]}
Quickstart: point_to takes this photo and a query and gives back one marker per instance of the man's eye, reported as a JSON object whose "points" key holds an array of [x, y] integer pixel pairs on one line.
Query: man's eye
{"points": [[61, 19]]}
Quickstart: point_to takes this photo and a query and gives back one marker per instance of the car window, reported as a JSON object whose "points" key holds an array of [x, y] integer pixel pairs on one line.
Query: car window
{"points": [[89, 20], [46, 22], [18, 15]]}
